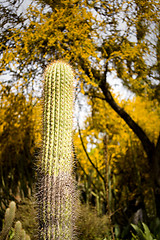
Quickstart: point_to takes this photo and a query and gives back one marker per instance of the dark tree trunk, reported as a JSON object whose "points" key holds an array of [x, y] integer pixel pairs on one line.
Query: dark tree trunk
{"points": [[152, 150]]}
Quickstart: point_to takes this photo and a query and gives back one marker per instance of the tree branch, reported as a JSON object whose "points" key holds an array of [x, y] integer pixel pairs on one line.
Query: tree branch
{"points": [[147, 144], [88, 177], [98, 172]]}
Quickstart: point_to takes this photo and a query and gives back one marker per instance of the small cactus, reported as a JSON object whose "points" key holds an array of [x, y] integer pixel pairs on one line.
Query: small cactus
{"points": [[8, 220], [19, 233], [56, 195]]}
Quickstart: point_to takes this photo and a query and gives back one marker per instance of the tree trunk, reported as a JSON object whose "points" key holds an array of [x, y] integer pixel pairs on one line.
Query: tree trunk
{"points": [[152, 151]]}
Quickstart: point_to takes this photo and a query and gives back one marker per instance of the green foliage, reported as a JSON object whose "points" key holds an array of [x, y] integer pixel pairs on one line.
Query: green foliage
{"points": [[56, 197], [144, 234], [154, 226], [8, 232]]}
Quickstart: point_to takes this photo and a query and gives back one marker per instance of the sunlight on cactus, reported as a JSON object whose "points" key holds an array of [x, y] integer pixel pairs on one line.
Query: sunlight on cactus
{"points": [[56, 196]]}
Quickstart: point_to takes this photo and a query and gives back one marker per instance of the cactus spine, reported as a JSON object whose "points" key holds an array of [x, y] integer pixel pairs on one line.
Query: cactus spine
{"points": [[56, 195]]}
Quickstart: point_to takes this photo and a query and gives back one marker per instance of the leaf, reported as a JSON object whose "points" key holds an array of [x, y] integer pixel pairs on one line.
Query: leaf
{"points": [[139, 232], [147, 232]]}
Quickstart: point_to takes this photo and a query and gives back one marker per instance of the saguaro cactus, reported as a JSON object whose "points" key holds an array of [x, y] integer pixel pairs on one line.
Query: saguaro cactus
{"points": [[56, 195]]}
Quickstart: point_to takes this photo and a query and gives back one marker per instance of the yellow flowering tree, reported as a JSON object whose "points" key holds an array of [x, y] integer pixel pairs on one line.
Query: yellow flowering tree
{"points": [[118, 155], [50, 31], [20, 140]]}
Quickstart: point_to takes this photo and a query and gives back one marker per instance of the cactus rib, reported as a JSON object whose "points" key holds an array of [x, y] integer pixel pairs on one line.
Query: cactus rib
{"points": [[56, 185]]}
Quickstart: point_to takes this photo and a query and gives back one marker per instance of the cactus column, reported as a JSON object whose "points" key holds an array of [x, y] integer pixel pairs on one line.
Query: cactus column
{"points": [[56, 195]]}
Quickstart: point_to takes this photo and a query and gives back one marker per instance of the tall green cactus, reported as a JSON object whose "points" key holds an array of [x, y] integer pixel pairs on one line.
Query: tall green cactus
{"points": [[56, 195]]}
